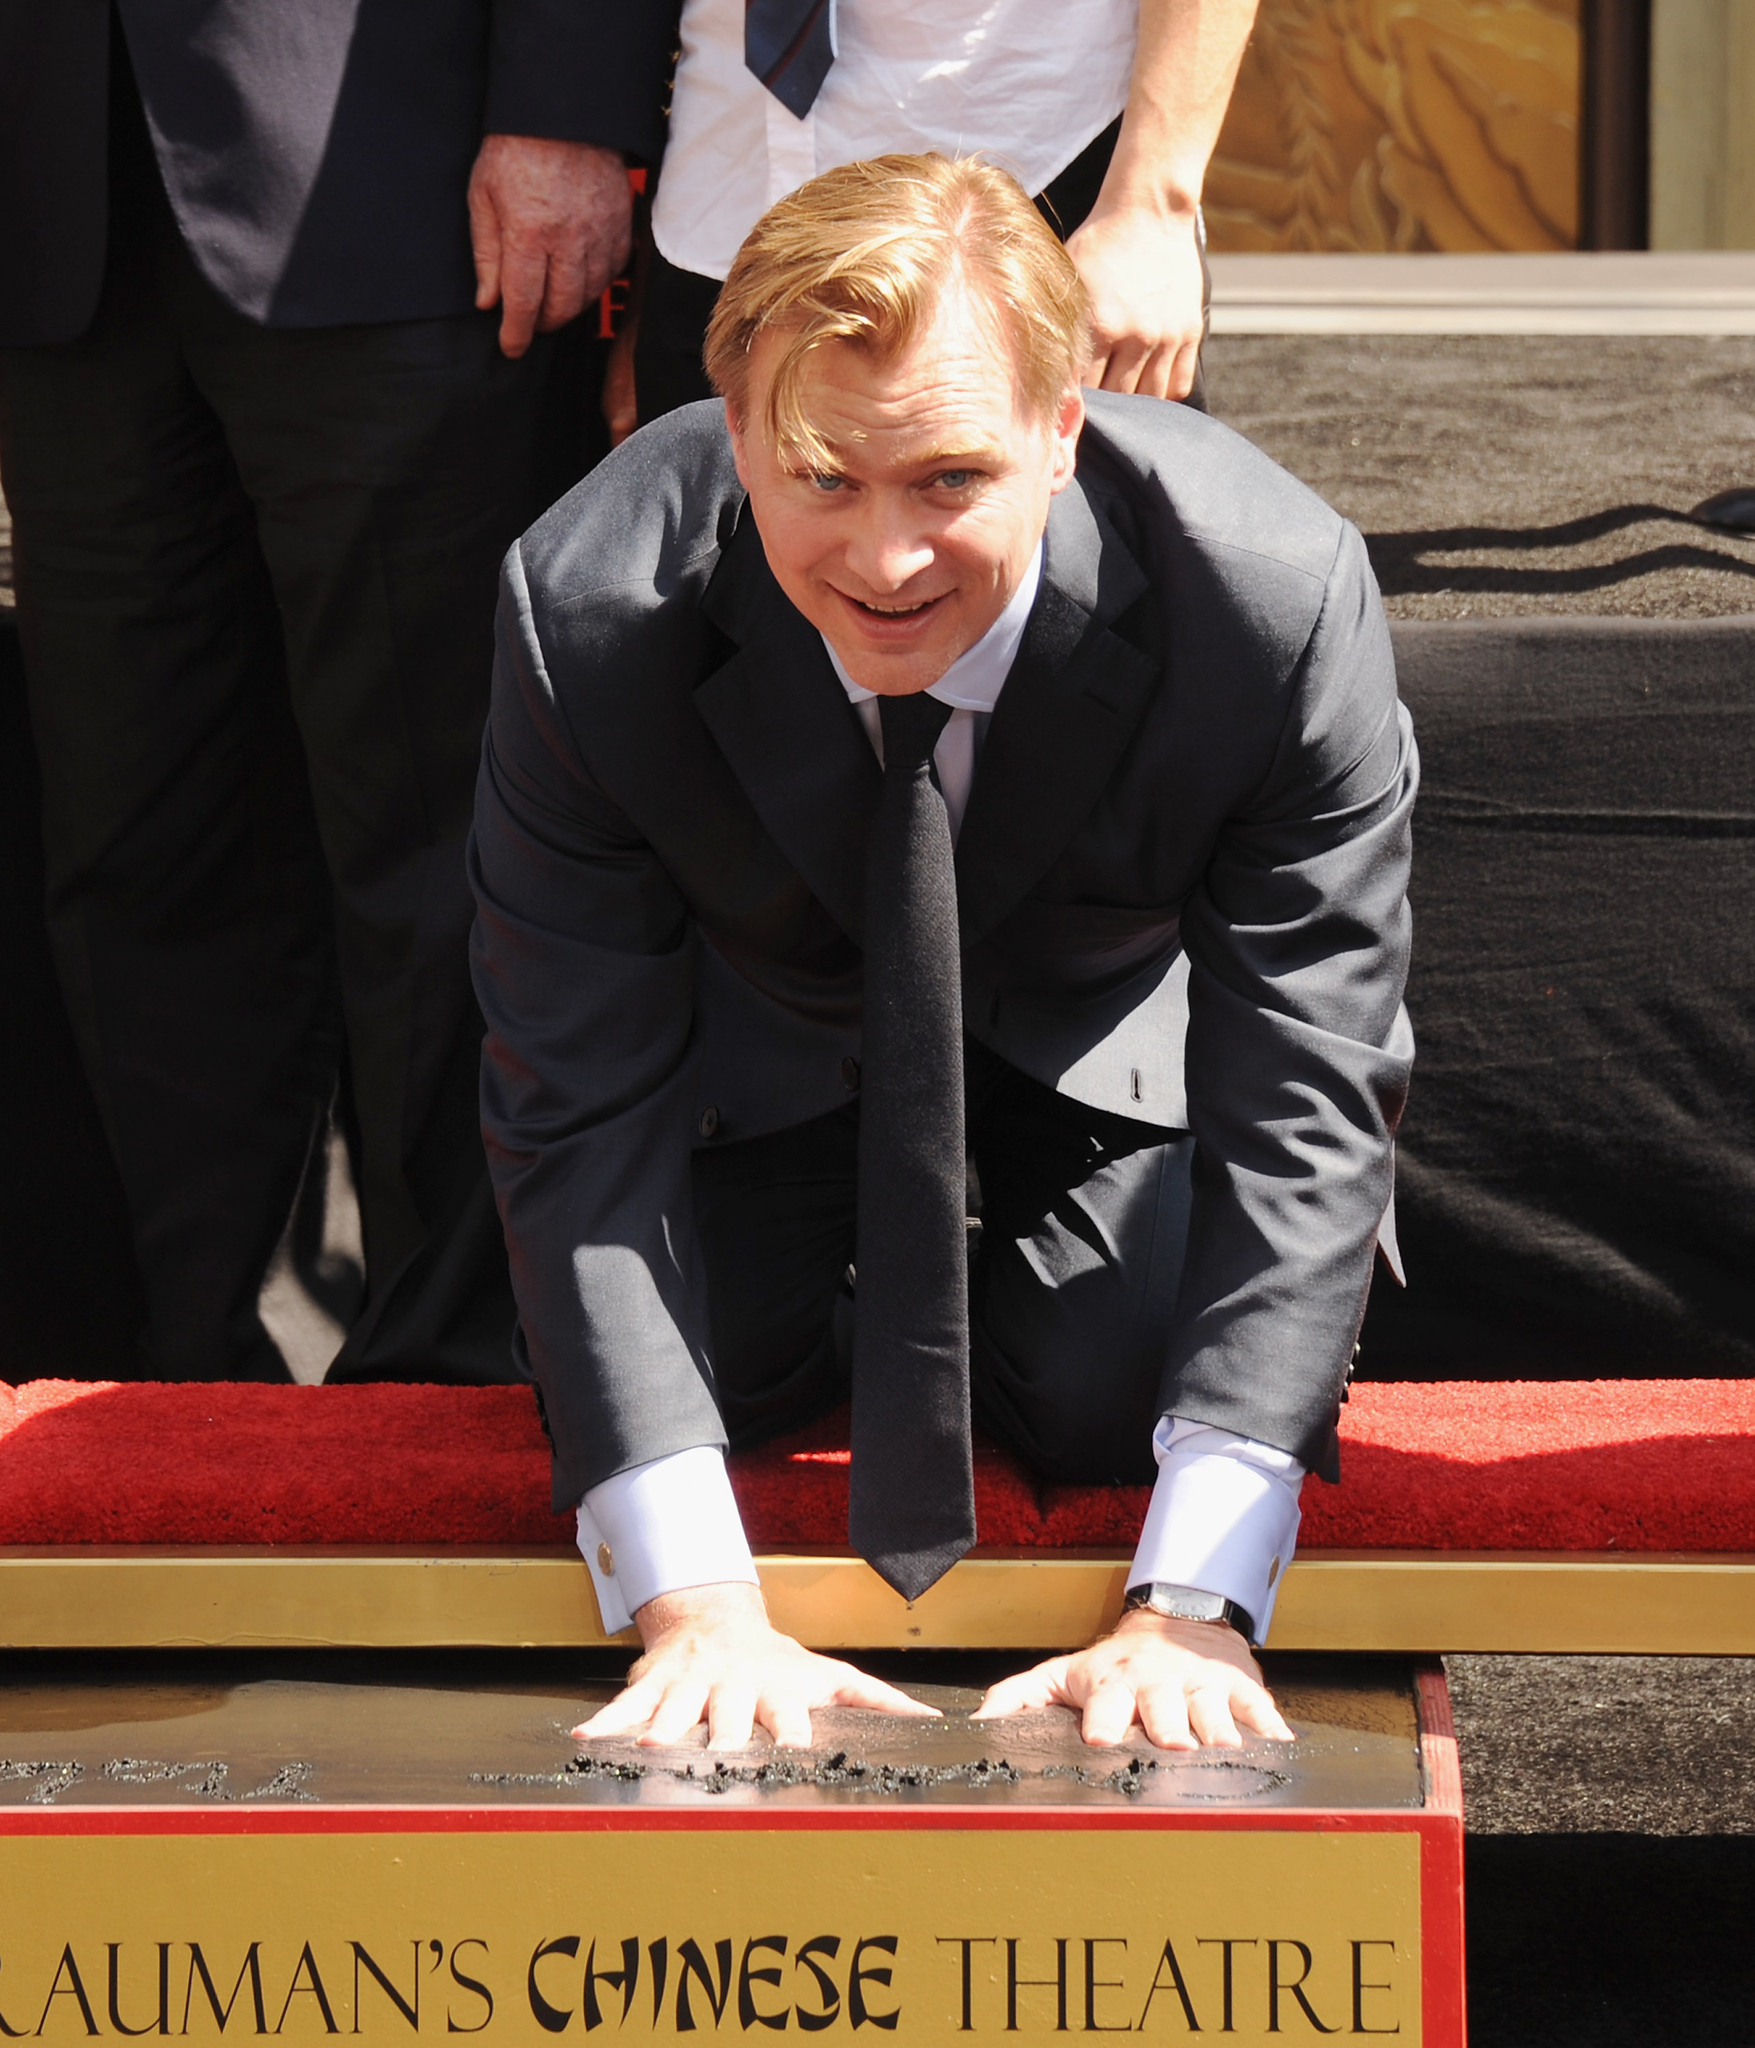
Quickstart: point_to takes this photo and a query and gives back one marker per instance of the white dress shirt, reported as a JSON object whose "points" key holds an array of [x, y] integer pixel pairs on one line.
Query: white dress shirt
{"points": [[1026, 85], [1224, 1512]]}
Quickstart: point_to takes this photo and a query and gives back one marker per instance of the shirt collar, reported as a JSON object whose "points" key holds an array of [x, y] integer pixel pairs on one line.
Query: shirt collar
{"points": [[974, 680]]}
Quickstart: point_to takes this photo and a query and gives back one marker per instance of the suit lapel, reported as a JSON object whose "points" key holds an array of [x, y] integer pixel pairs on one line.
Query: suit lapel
{"points": [[1070, 705], [782, 719]]}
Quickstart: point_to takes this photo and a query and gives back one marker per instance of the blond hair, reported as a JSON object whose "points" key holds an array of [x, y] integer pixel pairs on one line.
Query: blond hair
{"points": [[864, 254]]}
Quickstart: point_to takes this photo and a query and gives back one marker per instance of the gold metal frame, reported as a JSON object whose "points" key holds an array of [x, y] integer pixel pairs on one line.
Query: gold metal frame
{"points": [[103, 1597]]}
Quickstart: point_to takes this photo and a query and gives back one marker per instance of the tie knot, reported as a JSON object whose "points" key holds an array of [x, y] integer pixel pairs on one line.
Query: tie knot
{"points": [[911, 726]]}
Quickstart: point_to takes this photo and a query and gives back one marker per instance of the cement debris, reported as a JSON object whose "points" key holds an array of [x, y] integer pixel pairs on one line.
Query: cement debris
{"points": [[51, 1778]]}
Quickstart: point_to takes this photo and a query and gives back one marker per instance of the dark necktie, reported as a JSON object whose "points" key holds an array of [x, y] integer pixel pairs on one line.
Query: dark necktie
{"points": [[787, 44], [912, 1512]]}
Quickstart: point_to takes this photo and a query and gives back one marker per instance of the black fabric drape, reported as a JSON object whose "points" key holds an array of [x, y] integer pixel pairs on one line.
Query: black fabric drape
{"points": [[1576, 1180], [1576, 1189]]}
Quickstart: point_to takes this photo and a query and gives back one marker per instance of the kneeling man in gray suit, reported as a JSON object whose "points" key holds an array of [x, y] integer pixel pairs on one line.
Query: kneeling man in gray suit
{"points": [[917, 788]]}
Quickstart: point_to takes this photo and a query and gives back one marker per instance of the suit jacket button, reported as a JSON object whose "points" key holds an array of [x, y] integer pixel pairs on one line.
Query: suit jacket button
{"points": [[709, 1121], [850, 1074]]}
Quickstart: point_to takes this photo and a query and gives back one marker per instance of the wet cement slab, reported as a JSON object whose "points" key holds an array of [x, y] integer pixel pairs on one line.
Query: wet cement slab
{"points": [[494, 1729]]}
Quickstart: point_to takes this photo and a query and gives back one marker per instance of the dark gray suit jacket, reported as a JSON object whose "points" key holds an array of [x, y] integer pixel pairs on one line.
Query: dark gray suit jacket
{"points": [[1181, 876], [316, 152]]}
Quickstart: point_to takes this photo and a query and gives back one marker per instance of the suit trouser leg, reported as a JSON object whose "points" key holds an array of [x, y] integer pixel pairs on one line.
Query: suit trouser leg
{"points": [[259, 560], [668, 370], [1084, 1224], [389, 469], [1071, 1293], [185, 896], [775, 1221]]}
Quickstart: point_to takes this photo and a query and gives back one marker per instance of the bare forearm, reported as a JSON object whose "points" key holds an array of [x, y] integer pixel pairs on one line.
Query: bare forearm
{"points": [[1185, 67], [1139, 252]]}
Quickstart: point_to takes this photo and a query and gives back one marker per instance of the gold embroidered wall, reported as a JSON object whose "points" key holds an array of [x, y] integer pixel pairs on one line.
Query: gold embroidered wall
{"points": [[1402, 124]]}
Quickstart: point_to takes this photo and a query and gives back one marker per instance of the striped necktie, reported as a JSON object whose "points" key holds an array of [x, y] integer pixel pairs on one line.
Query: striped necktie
{"points": [[789, 45]]}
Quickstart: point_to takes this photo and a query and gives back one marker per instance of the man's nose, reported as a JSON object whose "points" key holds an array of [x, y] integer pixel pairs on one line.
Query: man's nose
{"points": [[889, 549]]}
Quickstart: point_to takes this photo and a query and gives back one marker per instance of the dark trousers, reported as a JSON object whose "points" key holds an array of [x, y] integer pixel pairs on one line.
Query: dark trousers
{"points": [[1072, 1283], [677, 304], [256, 578]]}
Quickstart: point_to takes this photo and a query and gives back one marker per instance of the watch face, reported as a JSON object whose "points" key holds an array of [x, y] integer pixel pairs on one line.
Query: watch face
{"points": [[1180, 1603], [1183, 1603]]}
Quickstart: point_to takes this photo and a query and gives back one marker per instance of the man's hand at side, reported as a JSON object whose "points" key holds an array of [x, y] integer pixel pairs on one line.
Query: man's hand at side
{"points": [[1137, 253], [550, 224], [1141, 267], [1185, 1682], [712, 1655]]}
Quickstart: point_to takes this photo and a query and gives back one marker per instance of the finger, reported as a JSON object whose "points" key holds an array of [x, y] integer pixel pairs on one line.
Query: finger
{"points": [[523, 281], [1091, 377], [1109, 1714], [731, 1715], [484, 237], [1041, 1686], [621, 416], [679, 1713], [858, 1690], [786, 1720], [603, 225], [1182, 371], [563, 297], [1209, 1718], [602, 260], [1253, 1706], [1157, 378], [629, 1709], [1127, 358], [1163, 1713], [621, 398]]}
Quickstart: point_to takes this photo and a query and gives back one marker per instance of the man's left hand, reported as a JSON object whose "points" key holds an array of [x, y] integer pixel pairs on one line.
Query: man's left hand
{"points": [[1141, 267], [1186, 1683], [550, 223]]}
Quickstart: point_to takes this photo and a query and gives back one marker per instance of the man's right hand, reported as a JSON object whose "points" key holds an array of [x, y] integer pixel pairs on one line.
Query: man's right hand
{"points": [[712, 1655], [550, 224]]}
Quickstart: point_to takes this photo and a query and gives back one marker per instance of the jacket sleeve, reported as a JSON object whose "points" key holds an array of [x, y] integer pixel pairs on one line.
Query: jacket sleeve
{"points": [[583, 955], [1298, 1048], [582, 71]]}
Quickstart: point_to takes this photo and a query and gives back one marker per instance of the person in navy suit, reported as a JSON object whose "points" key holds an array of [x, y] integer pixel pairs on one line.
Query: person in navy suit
{"points": [[278, 292]]}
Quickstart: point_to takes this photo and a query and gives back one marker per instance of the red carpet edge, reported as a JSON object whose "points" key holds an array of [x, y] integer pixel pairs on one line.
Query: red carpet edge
{"points": [[1588, 1466]]}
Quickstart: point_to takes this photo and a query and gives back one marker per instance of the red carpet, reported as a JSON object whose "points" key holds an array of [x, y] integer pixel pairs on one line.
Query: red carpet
{"points": [[1603, 1465]]}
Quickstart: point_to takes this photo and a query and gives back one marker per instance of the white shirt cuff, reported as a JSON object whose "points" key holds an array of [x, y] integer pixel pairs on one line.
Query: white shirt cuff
{"points": [[659, 1527], [1223, 1518]]}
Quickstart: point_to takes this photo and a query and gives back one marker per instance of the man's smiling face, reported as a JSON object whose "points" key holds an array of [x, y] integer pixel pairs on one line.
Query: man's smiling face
{"points": [[906, 550]]}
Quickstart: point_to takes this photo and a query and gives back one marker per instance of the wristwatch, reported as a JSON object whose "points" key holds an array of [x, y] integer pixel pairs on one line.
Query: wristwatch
{"points": [[1185, 1603]]}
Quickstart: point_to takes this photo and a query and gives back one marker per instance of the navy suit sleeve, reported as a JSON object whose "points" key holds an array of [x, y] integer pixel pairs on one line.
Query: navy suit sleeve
{"points": [[581, 71], [583, 954], [1298, 1048]]}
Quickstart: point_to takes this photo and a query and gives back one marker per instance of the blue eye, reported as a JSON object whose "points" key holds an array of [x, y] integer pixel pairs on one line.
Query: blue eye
{"points": [[955, 479], [828, 483]]}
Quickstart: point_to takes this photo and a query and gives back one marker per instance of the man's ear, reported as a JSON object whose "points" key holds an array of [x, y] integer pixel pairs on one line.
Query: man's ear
{"points": [[734, 426], [1069, 423]]}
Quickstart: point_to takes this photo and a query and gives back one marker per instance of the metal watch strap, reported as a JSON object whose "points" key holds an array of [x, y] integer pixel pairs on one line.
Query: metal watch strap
{"points": [[1188, 1603]]}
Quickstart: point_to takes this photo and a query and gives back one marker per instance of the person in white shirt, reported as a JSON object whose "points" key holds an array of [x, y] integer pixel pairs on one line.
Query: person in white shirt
{"points": [[1107, 109]]}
